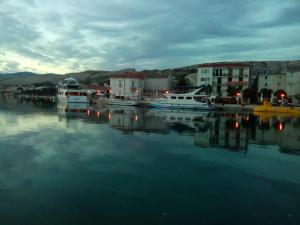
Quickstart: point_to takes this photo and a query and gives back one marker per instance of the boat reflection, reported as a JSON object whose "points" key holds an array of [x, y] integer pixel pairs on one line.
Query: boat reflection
{"points": [[231, 131]]}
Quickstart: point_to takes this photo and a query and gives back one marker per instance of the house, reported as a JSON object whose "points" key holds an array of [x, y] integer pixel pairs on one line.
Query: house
{"points": [[127, 85], [271, 81], [156, 84], [223, 75], [293, 80]]}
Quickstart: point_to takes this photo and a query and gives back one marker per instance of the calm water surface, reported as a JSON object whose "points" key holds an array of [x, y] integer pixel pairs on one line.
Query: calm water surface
{"points": [[77, 165]]}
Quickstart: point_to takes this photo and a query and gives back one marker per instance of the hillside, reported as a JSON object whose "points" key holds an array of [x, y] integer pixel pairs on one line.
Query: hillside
{"points": [[27, 78]]}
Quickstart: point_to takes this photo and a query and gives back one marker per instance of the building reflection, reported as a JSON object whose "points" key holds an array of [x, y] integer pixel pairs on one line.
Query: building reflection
{"points": [[226, 131], [231, 131]]}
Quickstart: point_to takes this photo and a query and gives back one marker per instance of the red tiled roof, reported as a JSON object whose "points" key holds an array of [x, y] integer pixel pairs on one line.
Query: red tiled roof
{"points": [[214, 65], [128, 75], [98, 87]]}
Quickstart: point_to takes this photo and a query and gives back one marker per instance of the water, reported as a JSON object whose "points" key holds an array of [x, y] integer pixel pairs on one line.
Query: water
{"points": [[79, 165]]}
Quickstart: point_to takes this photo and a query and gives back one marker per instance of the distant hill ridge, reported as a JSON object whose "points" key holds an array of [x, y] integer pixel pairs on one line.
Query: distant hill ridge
{"points": [[27, 78]]}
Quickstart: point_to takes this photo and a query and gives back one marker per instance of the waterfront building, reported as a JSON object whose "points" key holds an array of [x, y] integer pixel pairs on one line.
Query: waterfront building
{"points": [[273, 81], [157, 84], [223, 75], [293, 80], [127, 85]]}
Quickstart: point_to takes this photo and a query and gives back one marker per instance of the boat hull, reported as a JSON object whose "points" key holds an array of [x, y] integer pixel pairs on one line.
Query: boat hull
{"points": [[72, 99], [123, 102], [180, 106]]}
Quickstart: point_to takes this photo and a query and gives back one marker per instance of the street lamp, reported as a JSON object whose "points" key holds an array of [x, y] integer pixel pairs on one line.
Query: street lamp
{"points": [[282, 95], [238, 94]]}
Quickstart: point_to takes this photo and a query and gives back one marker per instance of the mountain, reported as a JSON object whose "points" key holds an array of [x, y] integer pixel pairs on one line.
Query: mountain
{"points": [[27, 78], [16, 75]]}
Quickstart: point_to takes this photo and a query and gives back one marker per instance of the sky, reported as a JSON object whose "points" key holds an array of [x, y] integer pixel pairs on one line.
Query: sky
{"points": [[61, 36]]}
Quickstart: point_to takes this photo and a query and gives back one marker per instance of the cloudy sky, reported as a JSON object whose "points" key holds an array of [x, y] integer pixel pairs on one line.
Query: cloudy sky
{"points": [[61, 36]]}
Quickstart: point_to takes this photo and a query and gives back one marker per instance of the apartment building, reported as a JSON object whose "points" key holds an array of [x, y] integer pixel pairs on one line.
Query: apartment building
{"points": [[127, 85], [293, 80], [272, 81], [223, 75]]}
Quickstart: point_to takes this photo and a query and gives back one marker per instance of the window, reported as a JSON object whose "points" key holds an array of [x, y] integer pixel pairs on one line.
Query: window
{"points": [[266, 77], [132, 84], [229, 79], [266, 84], [241, 72], [278, 83], [120, 83], [188, 98], [180, 97], [173, 97], [240, 79]]}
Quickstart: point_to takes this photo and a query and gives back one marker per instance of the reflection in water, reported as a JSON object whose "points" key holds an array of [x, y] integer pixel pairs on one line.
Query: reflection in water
{"points": [[232, 131], [77, 164]]}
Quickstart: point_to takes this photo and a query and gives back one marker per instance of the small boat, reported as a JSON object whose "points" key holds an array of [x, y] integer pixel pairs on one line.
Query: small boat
{"points": [[192, 100], [122, 101], [70, 91], [268, 108]]}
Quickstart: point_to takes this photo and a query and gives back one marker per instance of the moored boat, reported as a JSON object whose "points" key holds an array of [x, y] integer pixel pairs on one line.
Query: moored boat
{"points": [[191, 100], [125, 102], [70, 91]]}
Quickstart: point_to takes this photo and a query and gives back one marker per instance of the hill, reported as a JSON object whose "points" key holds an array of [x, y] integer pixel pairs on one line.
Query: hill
{"points": [[27, 78]]}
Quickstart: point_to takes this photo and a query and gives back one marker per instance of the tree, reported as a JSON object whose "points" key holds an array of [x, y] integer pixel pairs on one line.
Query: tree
{"points": [[266, 93], [232, 91], [250, 93], [279, 93], [183, 82]]}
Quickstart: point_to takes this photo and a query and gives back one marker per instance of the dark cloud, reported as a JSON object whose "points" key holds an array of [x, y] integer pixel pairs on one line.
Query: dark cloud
{"points": [[143, 34]]}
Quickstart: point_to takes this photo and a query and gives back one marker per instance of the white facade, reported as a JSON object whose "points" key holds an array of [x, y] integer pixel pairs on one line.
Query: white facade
{"points": [[205, 76], [288, 81], [292, 83], [157, 83], [272, 81], [126, 87], [221, 76]]}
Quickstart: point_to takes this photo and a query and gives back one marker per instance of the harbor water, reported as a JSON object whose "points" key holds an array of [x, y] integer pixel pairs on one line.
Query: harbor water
{"points": [[83, 165]]}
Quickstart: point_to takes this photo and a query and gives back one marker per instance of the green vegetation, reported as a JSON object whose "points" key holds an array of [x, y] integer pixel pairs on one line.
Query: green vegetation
{"points": [[279, 93], [250, 94], [232, 91]]}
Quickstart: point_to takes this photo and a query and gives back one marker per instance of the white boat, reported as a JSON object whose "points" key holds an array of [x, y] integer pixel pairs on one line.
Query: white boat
{"points": [[70, 91], [125, 102], [191, 100]]}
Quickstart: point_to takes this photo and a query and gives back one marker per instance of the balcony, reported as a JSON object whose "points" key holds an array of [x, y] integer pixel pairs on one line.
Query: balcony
{"points": [[235, 82]]}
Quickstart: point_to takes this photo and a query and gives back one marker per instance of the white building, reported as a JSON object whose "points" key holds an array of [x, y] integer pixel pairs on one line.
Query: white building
{"points": [[272, 81], [222, 75], [157, 84], [293, 80], [127, 85]]}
